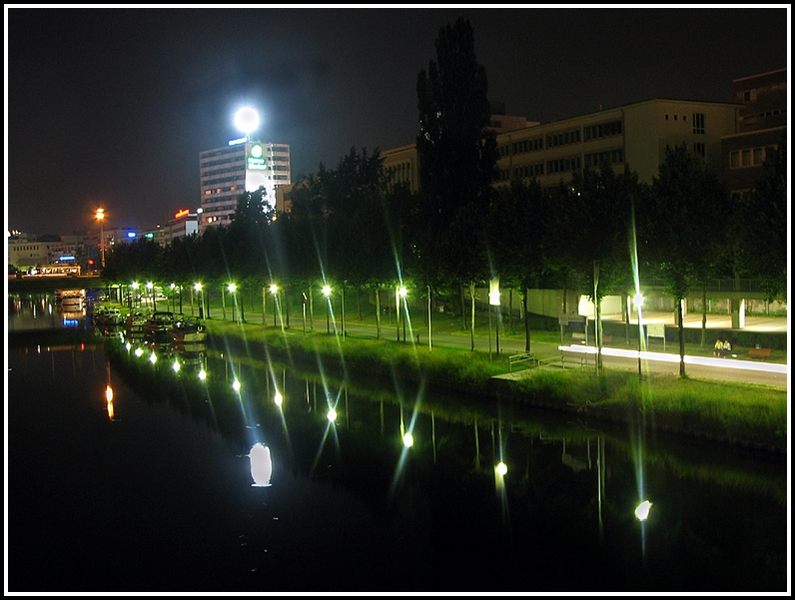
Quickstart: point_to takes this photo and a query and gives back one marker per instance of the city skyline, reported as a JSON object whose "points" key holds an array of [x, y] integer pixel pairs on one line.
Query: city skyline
{"points": [[123, 101]]}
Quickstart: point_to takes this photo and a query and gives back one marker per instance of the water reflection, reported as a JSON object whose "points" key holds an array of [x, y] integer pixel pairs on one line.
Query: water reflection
{"points": [[555, 489], [261, 465]]}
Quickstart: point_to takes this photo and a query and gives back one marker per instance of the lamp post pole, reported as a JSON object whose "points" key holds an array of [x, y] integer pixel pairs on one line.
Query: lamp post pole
{"points": [[100, 216]]}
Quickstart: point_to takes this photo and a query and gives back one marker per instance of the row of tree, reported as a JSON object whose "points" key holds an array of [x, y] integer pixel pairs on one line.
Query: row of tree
{"points": [[593, 234]]}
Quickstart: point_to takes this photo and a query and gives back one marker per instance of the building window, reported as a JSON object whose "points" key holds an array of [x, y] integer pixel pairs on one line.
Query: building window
{"points": [[759, 156], [699, 123], [700, 149], [746, 161]]}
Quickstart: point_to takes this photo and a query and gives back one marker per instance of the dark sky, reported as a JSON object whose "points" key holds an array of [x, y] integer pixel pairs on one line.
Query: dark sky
{"points": [[113, 106]]}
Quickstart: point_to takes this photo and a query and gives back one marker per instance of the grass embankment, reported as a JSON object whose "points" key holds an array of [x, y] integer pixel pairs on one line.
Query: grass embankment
{"points": [[750, 415]]}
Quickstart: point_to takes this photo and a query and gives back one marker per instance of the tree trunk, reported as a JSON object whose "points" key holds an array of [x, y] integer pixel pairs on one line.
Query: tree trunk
{"points": [[526, 319], [704, 315], [510, 310], [472, 316], [463, 310], [680, 318], [377, 314], [597, 316]]}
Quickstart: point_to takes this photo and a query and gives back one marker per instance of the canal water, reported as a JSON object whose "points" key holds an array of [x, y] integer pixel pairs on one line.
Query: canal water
{"points": [[177, 483]]}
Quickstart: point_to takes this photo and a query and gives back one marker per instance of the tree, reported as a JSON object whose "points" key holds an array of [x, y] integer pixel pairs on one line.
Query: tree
{"points": [[457, 158], [683, 225], [761, 225]]}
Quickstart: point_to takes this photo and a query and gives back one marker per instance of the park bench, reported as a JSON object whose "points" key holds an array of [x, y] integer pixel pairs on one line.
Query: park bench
{"points": [[759, 352], [520, 358], [578, 337]]}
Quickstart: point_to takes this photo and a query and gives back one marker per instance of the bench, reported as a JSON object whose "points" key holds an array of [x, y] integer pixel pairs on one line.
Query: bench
{"points": [[578, 337], [759, 352], [520, 358]]}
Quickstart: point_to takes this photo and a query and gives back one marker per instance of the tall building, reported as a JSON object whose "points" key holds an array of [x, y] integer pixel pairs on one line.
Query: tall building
{"points": [[761, 127], [226, 173], [634, 135]]}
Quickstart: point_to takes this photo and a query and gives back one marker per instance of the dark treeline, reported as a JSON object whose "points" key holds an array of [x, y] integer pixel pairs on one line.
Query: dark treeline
{"points": [[351, 227]]}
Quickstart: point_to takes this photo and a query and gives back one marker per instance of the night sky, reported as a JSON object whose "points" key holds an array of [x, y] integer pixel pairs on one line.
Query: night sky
{"points": [[113, 106]]}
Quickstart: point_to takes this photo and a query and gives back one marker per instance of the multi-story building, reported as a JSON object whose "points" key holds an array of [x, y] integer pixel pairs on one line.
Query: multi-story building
{"points": [[635, 135], [226, 173], [761, 127]]}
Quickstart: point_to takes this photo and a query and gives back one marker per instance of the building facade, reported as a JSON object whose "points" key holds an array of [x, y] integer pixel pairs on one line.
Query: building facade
{"points": [[635, 135], [761, 127], [226, 173]]}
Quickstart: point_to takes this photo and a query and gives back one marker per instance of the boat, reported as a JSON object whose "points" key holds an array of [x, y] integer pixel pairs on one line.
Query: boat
{"points": [[188, 330]]}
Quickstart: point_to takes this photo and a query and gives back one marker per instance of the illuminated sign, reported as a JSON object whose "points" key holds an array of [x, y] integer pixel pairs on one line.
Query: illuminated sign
{"points": [[255, 158], [181, 213], [66, 258], [131, 234], [242, 140], [149, 235]]}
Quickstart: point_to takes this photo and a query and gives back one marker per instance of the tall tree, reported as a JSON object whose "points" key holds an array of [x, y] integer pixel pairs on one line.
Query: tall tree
{"points": [[457, 160]]}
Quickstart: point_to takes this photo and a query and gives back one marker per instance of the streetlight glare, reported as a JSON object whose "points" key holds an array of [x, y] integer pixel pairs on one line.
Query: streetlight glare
{"points": [[273, 288], [408, 440], [331, 415], [326, 291], [502, 468], [197, 286], [278, 399], [638, 299], [232, 287], [246, 120], [403, 291]]}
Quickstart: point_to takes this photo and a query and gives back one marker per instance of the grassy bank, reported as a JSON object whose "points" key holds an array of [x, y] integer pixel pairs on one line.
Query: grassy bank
{"points": [[749, 415]]}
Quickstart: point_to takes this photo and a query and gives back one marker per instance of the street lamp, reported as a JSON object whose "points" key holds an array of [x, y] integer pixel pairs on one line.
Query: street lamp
{"points": [[639, 305], [274, 289], [246, 120], [232, 288], [402, 293], [100, 216], [326, 290], [151, 287], [494, 300], [197, 287]]}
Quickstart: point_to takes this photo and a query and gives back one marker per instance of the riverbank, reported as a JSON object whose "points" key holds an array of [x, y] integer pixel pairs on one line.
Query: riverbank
{"points": [[752, 416]]}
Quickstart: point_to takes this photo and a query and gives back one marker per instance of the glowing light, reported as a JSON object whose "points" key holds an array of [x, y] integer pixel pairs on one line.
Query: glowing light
{"points": [[232, 288], [642, 511], [236, 385], [149, 285], [494, 291], [273, 288], [726, 363], [331, 415], [153, 358], [638, 299], [131, 234], [173, 286], [402, 292], [278, 399], [246, 120], [408, 440], [261, 465], [128, 345], [501, 469], [326, 290], [134, 285], [197, 286], [181, 213], [100, 214], [139, 352], [176, 367], [109, 394], [202, 374]]}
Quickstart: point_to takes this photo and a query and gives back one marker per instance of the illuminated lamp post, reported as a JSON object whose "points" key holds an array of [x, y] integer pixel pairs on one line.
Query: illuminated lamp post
{"points": [[197, 287], [326, 289], [100, 216], [232, 288], [274, 289], [494, 300], [402, 292]]}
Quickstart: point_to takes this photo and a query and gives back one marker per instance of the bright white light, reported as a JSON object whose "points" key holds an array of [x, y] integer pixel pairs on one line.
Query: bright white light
{"points": [[278, 399], [402, 292], [153, 358], [501, 468], [109, 394], [273, 288], [176, 366], [139, 352], [331, 415], [232, 287], [236, 385], [638, 299], [134, 285], [642, 511], [726, 363], [261, 465], [408, 440], [494, 298], [197, 286], [202, 374], [326, 291], [246, 120], [149, 285], [173, 286], [128, 345]]}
